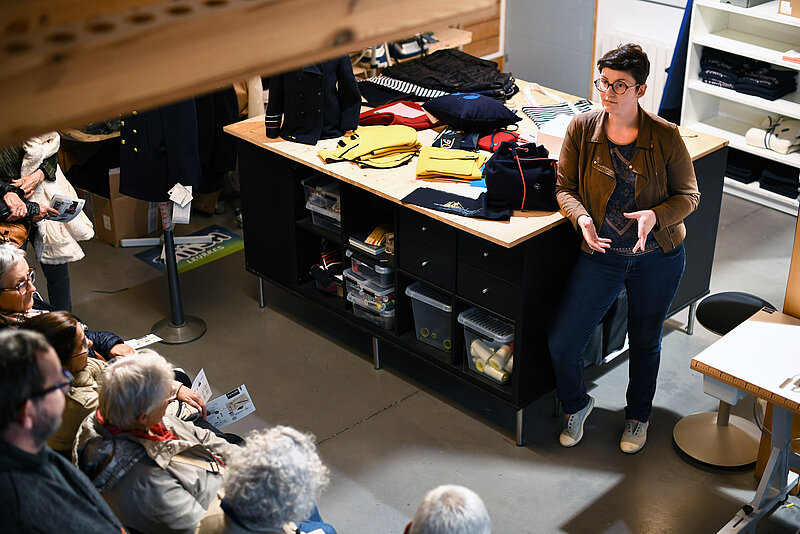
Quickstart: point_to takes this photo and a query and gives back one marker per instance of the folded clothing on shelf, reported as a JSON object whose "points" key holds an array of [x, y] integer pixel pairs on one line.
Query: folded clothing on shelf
{"points": [[745, 75], [783, 180], [449, 164], [380, 147], [777, 133], [743, 167]]}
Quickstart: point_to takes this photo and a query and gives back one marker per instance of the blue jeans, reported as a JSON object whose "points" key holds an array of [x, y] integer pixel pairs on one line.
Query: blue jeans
{"points": [[651, 281]]}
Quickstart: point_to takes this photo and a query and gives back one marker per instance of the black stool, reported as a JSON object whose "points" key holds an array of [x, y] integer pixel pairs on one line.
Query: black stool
{"points": [[719, 438]]}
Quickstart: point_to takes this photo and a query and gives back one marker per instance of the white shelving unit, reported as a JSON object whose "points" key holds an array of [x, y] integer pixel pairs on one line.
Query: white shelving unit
{"points": [[759, 33]]}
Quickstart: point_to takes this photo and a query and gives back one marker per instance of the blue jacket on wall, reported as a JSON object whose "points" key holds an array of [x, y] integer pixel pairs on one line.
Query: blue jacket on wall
{"points": [[320, 101]]}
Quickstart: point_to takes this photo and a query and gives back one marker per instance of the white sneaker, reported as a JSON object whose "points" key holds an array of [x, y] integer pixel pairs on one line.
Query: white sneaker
{"points": [[634, 437], [573, 432]]}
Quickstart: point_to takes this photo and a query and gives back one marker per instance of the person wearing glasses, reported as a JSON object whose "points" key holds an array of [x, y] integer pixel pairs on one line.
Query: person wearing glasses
{"points": [[626, 182], [19, 301], [42, 492], [68, 337], [156, 472]]}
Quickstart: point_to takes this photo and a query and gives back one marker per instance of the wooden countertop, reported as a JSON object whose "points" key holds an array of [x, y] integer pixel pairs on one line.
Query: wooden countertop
{"points": [[395, 184]]}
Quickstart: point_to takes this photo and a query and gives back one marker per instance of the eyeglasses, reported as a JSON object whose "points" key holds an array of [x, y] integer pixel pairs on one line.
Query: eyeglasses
{"points": [[22, 287], [63, 386], [85, 343], [619, 87]]}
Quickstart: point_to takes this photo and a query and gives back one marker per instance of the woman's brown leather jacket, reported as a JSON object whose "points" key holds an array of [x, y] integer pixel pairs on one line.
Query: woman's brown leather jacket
{"points": [[665, 180]]}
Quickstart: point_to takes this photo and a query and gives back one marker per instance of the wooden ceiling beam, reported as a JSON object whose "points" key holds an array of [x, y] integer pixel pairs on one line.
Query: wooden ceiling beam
{"points": [[146, 53]]}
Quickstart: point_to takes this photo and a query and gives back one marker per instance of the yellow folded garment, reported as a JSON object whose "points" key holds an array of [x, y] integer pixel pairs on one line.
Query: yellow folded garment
{"points": [[375, 146], [449, 164]]}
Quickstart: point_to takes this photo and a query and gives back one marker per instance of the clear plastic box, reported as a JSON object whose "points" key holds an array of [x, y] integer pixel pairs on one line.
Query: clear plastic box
{"points": [[367, 294], [489, 344], [323, 191], [384, 319], [377, 274], [432, 316], [328, 219]]}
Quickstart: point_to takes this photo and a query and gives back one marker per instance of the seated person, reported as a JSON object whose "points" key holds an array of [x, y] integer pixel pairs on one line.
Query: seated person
{"points": [[450, 510], [42, 492], [67, 336], [274, 480], [156, 472], [19, 302]]}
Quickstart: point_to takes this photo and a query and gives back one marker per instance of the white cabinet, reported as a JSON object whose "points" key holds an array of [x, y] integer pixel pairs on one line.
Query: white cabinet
{"points": [[758, 33]]}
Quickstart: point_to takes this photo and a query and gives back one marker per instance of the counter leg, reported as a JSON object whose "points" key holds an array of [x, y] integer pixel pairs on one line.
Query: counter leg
{"points": [[261, 296], [690, 323], [376, 357], [520, 417]]}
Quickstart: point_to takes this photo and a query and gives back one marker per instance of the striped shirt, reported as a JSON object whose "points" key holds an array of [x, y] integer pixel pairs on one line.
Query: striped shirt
{"points": [[542, 114]]}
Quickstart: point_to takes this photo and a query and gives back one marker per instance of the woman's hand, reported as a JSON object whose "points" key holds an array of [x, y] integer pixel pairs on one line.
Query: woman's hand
{"points": [[44, 211], [16, 206], [598, 244], [646, 220], [121, 349], [192, 398], [30, 182]]}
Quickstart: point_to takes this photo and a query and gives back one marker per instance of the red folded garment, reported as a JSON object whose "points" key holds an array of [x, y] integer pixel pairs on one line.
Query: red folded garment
{"points": [[401, 112], [492, 141]]}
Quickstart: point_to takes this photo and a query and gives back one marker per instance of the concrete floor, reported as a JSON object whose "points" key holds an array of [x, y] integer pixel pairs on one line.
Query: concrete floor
{"points": [[388, 436]]}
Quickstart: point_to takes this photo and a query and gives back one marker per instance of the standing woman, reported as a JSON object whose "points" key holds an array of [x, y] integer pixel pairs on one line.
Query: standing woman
{"points": [[626, 182]]}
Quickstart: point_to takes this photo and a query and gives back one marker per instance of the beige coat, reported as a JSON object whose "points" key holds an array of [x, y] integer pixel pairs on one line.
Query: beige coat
{"points": [[665, 180], [81, 401]]}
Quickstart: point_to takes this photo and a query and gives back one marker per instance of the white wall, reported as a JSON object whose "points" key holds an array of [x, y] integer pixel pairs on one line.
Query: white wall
{"points": [[655, 21]]}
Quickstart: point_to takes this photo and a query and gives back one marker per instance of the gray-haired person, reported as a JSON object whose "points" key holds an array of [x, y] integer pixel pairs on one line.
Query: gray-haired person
{"points": [[271, 483], [42, 492], [157, 472], [451, 509]]}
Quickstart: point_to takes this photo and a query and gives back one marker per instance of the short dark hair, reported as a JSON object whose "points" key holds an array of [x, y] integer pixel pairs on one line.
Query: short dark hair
{"points": [[20, 375], [61, 330], [628, 58]]}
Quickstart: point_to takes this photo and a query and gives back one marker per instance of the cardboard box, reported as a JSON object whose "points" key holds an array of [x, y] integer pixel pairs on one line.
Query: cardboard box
{"points": [[119, 217], [789, 7]]}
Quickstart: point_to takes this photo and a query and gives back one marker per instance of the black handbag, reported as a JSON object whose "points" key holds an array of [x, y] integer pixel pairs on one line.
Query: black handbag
{"points": [[521, 177]]}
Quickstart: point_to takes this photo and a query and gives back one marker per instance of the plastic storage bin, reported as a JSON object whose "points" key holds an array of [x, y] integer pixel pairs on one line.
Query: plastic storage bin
{"points": [[368, 295], [322, 191], [489, 344], [325, 218], [384, 319], [377, 274], [432, 316]]}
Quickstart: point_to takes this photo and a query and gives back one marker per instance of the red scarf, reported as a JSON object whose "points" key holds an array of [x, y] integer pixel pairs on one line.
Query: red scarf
{"points": [[159, 431]]}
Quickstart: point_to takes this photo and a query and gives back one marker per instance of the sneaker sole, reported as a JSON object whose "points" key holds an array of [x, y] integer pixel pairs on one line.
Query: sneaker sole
{"points": [[580, 434]]}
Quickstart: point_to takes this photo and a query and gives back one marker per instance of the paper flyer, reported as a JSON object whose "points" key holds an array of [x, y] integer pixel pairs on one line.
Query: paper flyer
{"points": [[230, 407], [142, 341], [67, 208], [201, 386]]}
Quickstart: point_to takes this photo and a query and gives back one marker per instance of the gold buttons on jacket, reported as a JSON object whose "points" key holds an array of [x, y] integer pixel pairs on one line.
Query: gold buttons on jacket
{"points": [[134, 131], [122, 123], [122, 141], [135, 149]]}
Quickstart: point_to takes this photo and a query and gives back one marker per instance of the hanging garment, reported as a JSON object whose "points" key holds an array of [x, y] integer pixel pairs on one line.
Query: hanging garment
{"points": [[216, 148], [158, 149], [449, 164], [381, 147], [320, 101], [402, 112]]}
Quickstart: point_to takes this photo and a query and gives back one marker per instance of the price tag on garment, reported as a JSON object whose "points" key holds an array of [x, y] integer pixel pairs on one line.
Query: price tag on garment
{"points": [[181, 197]]}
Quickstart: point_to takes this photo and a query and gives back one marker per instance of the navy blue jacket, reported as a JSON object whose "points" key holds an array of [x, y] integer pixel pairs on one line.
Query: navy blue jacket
{"points": [[158, 149], [316, 102]]}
